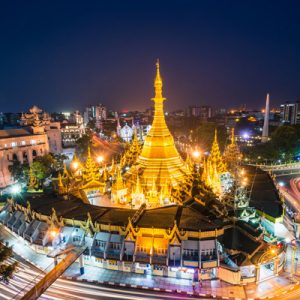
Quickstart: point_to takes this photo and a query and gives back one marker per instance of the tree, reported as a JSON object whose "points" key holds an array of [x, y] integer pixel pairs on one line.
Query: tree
{"points": [[82, 144], [282, 145], [6, 270], [18, 171], [285, 138], [40, 170], [58, 163], [204, 136]]}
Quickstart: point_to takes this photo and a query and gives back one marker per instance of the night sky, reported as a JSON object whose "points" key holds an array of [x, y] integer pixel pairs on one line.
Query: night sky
{"points": [[64, 55]]}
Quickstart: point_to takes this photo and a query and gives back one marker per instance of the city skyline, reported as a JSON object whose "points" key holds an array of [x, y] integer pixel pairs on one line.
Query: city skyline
{"points": [[225, 55]]}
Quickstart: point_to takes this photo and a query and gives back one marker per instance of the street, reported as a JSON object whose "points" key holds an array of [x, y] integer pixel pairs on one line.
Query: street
{"points": [[64, 289]]}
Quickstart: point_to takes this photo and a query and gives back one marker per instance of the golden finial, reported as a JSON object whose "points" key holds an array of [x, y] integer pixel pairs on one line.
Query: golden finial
{"points": [[232, 136], [216, 134], [158, 84]]}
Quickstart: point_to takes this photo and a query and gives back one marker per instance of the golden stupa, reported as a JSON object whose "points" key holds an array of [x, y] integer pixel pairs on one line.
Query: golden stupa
{"points": [[159, 161]]}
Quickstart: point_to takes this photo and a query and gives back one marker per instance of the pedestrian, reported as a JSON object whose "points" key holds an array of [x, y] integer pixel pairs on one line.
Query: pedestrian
{"points": [[194, 286]]}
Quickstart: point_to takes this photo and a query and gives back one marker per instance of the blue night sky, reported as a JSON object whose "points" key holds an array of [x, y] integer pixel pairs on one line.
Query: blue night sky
{"points": [[63, 55]]}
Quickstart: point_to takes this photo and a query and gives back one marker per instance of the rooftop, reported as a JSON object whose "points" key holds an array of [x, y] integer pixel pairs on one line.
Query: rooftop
{"points": [[15, 132], [163, 217], [263, 195]]}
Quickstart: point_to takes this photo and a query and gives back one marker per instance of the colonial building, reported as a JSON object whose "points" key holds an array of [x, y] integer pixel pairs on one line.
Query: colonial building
{"points": [[41, 122], [70, 133], [20, 144]]}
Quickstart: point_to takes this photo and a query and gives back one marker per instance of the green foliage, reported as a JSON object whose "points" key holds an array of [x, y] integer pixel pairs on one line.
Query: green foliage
{"points": [[44, 166], [203, 136], [40, 170], [58, 163], [285, 138], [6, 270], [18, 171], [82, 144], [281, 146], [5, 252]]}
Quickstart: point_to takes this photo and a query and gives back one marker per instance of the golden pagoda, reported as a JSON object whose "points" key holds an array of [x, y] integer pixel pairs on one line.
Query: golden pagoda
{"points": [[159, 162], [232, 155], [215, 156]]}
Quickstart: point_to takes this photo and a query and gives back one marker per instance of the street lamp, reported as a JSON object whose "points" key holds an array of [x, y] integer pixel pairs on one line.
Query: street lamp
{"points": [[75, 165], [196, 154], [53, 233], [100, 159], [16, 189]]}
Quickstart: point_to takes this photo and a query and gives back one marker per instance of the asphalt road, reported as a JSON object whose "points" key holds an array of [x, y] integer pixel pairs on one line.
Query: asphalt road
{"points": [[64, 289]]}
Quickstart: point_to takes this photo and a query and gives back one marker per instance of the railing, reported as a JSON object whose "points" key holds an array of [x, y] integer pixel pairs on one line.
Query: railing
{"points": [[49, 278]]}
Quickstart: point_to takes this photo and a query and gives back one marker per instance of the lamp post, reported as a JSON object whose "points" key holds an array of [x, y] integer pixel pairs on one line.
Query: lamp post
{"points": [[196, 154], [294, 249], [100, 159]]}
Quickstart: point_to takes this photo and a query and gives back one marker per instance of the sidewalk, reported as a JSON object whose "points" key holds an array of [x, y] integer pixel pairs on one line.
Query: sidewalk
{"points": [[213, 288]]}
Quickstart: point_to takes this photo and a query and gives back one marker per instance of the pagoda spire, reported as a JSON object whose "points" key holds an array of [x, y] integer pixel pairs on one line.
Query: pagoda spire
{"points": [[119, 183], [159, 157], [91, 171], [232, 136], [232, 155], [158, 85], [215, 155]]}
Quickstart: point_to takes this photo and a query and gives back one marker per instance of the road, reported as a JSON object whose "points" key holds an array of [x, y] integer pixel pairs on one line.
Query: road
{"points": [[64, 289]]}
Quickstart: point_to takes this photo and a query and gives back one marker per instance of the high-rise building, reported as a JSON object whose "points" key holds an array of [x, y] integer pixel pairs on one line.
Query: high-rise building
{"points": [[96, 113], [290, 113], [204, 112]]}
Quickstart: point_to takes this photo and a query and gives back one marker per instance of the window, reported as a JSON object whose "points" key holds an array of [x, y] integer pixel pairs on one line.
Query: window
{"points": [[190, 252], [100, 244], [33, 142], [23, 143], [13, 144], [115, 246], [76, 238]]}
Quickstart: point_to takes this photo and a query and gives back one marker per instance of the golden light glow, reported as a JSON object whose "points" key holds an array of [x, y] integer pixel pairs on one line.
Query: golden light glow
{"points": [[196, 154], [100, 159], [75, 165], [53, 233]]}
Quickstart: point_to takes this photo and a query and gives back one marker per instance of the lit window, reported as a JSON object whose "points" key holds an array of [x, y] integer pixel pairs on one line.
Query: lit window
{"points": [[33, 142], [13, 144], [23, 143]]}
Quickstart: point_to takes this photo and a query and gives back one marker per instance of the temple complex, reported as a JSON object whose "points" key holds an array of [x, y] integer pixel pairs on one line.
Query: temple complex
{"points": [[149, 211]]}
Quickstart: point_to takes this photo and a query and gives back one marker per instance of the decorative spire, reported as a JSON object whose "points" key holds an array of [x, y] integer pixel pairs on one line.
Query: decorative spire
{"points": [[232, 155], [91, 171], [61, 187], [158, 85], [119, 183], [138, 188], [32, 181], [215, 155], [232, 136], [104, 174]]}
